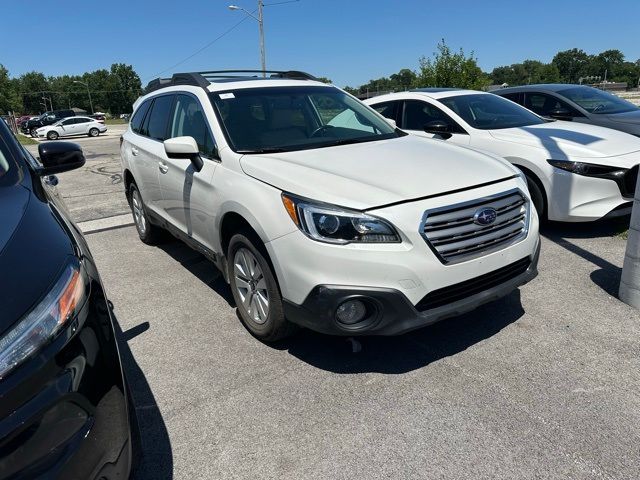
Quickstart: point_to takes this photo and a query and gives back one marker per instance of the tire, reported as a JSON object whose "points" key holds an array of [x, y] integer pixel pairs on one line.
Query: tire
{"points": [[148, 233], [255, 289], [32, 132], [52, 135], [537, 198], [94, 132]]}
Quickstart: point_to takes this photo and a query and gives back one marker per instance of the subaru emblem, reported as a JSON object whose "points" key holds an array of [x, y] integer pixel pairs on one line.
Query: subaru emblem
{"points": [[485, 216]]}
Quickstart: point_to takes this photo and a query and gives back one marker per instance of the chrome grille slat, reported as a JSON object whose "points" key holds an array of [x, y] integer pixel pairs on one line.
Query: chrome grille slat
{"points": [[454, 236]]}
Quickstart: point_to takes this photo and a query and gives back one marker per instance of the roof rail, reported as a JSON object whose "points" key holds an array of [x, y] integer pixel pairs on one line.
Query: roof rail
{"points": [[204, 79]]}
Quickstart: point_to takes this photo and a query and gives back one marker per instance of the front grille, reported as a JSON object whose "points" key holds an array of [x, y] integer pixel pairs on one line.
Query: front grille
{"points": [[455, 236], [628, 187], [462, 290]]}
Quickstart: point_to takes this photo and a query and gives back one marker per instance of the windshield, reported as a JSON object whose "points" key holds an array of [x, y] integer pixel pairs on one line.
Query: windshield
{"points": [[276, 119], [491, 112], [597, 101]]}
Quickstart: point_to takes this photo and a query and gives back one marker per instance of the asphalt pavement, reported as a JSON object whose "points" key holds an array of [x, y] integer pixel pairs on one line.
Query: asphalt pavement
{"points": [[543, 384]]}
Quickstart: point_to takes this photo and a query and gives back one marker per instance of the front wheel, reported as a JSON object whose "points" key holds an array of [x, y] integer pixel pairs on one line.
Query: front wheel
{"points": [[255, 289], [537, 198], [94, 132]]}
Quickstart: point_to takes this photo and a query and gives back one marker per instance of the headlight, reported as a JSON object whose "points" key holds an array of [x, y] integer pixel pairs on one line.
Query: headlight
{"points": [[331, 224], [589, 169], [42, 323]]}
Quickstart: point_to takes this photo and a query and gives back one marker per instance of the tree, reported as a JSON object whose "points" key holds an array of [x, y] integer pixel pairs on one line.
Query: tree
{"points": [[32, 87], [324, 80], [571, 64], [404, 79], [9, 100], [126, 88], [450, 69]]}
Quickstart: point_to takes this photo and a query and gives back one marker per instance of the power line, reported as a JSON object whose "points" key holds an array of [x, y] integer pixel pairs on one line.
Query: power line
{"points": [[226, 32], [39, 92]]}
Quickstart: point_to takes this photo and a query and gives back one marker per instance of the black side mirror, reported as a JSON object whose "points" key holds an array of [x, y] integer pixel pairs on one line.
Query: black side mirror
{"points": [[439, 127], [57, 157], [561, 114]]}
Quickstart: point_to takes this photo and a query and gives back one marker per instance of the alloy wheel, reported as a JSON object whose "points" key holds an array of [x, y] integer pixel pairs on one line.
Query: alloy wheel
{"points": [[251, 285], [138, 212]]}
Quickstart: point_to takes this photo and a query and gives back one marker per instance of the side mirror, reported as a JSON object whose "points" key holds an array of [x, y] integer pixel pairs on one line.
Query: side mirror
{"points": [[561, 114], [440, 128], [186, 148], [57, 157], [392, 122]]}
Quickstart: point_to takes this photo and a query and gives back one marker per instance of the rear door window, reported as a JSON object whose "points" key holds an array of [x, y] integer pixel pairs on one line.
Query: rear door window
{"points": [[417, 114], [158, 118], [387, 109], [543, 104]]}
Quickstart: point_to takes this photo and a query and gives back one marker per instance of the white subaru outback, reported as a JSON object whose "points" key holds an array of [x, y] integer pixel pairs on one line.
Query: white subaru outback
{"points": [[320, 213]]}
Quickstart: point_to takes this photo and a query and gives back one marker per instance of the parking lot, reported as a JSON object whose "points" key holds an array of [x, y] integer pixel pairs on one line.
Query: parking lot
{"points": [[541, 384]]}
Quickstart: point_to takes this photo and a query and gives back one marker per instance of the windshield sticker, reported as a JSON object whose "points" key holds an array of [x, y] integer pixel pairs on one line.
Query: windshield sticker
{"points": [[226, 96]]}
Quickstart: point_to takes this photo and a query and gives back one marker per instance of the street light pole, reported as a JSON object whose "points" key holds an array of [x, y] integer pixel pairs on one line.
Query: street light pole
{"points": [[88, 92], [260, 20]]}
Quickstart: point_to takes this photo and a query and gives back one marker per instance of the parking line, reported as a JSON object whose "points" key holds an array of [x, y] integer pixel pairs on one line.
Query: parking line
{"points": [[106, 223]]}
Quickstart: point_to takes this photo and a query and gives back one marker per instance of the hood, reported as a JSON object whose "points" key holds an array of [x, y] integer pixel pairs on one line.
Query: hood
{"points": [[366, 175], [632, 117], [33, 249], [571, 139]]}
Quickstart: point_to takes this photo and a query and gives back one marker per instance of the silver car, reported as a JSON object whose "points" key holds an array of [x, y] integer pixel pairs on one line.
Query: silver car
{"points": [[72, 126]]}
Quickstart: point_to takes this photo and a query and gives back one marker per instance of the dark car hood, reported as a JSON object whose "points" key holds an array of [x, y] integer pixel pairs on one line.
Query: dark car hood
{"points": [[626, 117], [33, 249]]}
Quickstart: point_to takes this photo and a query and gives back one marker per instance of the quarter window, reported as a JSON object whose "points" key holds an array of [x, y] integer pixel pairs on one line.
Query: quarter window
{"points": [[138, 118], [189, 121]]}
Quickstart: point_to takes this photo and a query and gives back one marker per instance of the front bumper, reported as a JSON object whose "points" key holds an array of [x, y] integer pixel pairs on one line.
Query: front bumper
{"points": [[391, 313]]}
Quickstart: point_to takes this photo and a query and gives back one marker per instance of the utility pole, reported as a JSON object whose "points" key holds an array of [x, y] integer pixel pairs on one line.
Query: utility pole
{"points": [[630, 282], [260, 20], [88, 91]]}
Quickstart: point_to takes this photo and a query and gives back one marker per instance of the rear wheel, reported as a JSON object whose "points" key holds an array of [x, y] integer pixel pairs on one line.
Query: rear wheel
{"points": [[32, 132], [147, 232], [52, 135], [94, 132], [255, 289]]}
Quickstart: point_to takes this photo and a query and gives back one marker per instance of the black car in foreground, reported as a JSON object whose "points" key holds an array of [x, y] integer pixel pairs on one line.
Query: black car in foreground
{"points": [[65, 410], [47, 118]]}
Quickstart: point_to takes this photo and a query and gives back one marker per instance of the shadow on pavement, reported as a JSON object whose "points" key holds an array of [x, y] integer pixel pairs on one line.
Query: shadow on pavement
{"points": [[411, 351], [608, 276], [202, 268], [156, 459]]}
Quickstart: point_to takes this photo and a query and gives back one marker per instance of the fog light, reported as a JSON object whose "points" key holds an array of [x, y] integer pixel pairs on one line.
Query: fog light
{"points": [[351, 311]]}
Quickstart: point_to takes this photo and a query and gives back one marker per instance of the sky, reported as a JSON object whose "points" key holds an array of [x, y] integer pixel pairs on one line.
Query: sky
{"points": [[348, 41]]}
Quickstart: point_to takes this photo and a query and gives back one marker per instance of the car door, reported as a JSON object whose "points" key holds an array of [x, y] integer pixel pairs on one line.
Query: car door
{"points": [[188, 195], [417, 114], [66, 127], [148, 152], [545, 104], [81, 126]]}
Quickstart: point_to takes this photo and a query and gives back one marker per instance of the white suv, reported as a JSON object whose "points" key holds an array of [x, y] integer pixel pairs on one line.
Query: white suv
{"points": [[320, 213]]}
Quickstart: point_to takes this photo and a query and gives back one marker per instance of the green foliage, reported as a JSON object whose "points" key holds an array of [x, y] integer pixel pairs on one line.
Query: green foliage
{"points": [[529, 71], [451, 69], [324, 80], [112, 90], [403, 80], [9, 101]]}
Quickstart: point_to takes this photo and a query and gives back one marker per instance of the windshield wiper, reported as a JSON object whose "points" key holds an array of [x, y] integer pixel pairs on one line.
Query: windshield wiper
{"points": [[265, 150]]}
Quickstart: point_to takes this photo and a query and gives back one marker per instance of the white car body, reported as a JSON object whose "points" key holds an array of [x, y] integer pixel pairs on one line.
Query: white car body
{"points": [[72, 126], [570, 197], [399, 180]]}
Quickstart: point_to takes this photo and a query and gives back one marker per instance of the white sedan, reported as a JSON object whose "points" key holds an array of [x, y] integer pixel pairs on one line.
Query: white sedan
{"points": [[575, 172], [72, 126]]}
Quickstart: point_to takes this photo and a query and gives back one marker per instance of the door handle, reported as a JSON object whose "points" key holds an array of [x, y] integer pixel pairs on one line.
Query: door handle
{"points": [[163, 168], [134, 151]]}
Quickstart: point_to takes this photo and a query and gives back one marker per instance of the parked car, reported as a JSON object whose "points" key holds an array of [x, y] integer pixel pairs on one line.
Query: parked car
{"points": [[72, 126], [65, 411], [578, 103], [23, 118], [99, 117], [317, 211], [47, 118], [575, 172]]}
